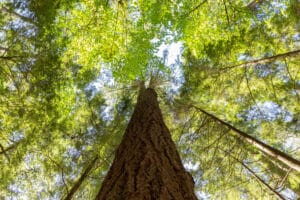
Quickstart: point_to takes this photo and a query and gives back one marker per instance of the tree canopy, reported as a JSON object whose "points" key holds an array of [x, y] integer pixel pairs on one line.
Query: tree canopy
{"points": [[70, 72]]}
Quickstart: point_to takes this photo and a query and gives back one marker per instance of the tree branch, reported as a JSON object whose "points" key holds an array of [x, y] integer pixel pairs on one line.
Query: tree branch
{"points": [[3, 151], [62, 171], [215, 141], [284, 178], [25, 19], [227, 16], [195, 8], [266, 59], [10, 57]]}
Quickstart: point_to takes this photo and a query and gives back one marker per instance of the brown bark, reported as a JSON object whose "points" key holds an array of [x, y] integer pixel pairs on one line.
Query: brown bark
{"points": [[147, 165], [268, 150]]}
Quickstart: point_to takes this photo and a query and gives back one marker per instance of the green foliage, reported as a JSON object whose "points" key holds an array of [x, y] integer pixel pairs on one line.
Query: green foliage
{"points": [[69, 75]]}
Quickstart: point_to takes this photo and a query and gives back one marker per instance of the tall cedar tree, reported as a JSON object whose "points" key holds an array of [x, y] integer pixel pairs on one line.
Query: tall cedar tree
{"points": [[147, 164]]}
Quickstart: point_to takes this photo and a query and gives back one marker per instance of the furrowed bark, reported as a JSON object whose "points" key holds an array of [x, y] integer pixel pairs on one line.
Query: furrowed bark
{"points": [[268, 150], [147, 165], [81, 179]]}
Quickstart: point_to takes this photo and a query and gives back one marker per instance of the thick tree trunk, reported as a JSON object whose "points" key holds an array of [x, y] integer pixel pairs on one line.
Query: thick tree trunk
{"points": [[147, 164]]}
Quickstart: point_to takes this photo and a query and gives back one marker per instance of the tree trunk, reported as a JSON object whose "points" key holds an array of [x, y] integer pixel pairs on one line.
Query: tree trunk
{"points": [[147, 164], [265, 148], [256, 176], [78, 183]]}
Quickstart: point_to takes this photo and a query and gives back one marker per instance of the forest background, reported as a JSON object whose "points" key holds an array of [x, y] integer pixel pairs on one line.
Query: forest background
{"points": [[69, 74]]}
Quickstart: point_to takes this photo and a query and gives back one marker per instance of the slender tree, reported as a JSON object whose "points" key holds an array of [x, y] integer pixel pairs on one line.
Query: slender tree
{"points": [[265, 148], [81, 179]]}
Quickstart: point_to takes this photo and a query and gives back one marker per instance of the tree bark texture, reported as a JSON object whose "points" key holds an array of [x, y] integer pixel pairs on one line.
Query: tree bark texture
{"points": [[147, 165]]}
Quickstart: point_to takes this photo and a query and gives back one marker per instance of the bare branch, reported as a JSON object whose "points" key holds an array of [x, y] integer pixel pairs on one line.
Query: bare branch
{"points": [[227, 16], [11, 147], [215, 141], [266, 59], [196, 7], [292, 79], [62, 171], [10, 11], [3, 151], [10, 57], [284, 178]]}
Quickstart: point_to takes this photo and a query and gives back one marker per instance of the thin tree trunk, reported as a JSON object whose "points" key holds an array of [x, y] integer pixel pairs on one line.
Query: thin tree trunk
{"points": [[267, 59], [147, 165], [256, 176], [81, 179], [270, 151]]}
